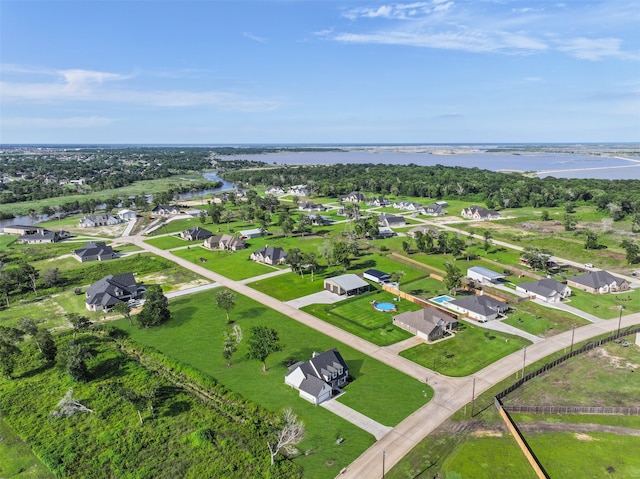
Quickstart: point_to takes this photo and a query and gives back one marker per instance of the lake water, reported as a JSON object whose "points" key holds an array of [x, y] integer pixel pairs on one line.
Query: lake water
{"points": [[560, 165]]}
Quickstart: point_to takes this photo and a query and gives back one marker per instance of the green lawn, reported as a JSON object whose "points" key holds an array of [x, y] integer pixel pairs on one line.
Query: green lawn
{"points": [[194, 336], [233, 265], [171, 241], [286, 287], [16, 459], [470, 350], [536, 319], [606, 305], [357, 316]]}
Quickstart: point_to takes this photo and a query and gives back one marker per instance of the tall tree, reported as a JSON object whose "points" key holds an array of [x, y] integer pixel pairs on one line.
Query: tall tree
{"points": [[123, 309], [231, 342], [310, 262], [46, 344], [294, 259], [287, 435], [226, 299], [591, 240], [155, 309], [453, 278], [73, 358], [9, 351], [488, 237], [78, 322], [261, 343]]}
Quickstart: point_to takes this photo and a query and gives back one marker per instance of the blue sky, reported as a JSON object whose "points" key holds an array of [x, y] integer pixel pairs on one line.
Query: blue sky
{"points": [[229, 72]]}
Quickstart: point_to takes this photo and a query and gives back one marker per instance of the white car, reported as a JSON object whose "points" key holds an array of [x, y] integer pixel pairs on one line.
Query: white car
{"points": [[589, 265]]}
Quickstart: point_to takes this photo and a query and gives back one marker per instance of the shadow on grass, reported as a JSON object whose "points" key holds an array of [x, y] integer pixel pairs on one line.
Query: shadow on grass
{"points": [[355, 365], [35, 371], [249, 313], [180, 317], [109, 368]]}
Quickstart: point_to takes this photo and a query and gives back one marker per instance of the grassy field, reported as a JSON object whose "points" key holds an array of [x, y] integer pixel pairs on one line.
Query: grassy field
{"points": [[233, 265], [16, 458], [606, 305], [471, 349], [194, 336], [357, 316], [171, 241], [541, 321]]}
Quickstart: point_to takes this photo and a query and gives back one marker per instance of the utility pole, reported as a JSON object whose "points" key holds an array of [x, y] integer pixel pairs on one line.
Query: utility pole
{"points": [[524, 360], [473, 396], [384, 453], [573, 332]]}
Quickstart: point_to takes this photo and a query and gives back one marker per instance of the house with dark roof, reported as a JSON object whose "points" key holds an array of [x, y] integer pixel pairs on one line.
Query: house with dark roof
{"points": [[195, 233], [269, 255], [428, 323], [599, 282], [547, 290], [377, 276], [475, 212], [20, 229], [346, 285], [391, 221], [105, 293], [43, 236], [94, 251], [482, 308], [435, 210], [92, 221], [317, 378], [380, 201], [310, 206]]}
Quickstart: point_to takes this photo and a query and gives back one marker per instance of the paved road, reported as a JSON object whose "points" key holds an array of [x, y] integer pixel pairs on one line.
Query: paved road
{"points": [[450, 393]]}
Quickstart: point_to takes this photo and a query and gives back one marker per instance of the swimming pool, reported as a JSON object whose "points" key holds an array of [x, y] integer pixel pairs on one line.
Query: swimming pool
{"points": [[385, 307], [441, 299]]}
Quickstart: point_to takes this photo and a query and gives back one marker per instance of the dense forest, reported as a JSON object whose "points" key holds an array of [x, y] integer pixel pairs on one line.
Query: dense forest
{"points": [[496, 190]]}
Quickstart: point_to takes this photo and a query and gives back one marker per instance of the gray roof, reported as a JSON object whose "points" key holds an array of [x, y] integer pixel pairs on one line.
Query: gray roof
{"points": [[484, 305], [544, 287], [424, 320], [197, 233], [106, 291], [274, 252], [376, 273], [486, 272], [597, 279], [99, 248], [349, 282]]}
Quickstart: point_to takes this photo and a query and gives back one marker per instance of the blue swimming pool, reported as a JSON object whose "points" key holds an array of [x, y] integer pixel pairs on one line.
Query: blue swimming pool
{"points": [[385, 307], [441, 299]]}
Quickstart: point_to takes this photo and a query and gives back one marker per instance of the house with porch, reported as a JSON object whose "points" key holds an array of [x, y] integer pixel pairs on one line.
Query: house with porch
{"points": [[547, 290], [166, 210], [435, 210], [599, 282], [92, 221], [94, 251], [475, 212], [316, 378], [482, 308], [428, 323], [195, 233], [105, 293], [354, 197], [224, 242], [269, 255]]}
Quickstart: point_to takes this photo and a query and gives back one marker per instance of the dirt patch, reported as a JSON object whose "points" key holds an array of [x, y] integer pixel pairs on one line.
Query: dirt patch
{"points": [[487, 433], [615, 361], [582, 437]]}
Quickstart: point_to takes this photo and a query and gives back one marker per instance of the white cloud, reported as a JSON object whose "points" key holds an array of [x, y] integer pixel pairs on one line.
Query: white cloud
{"points": [[592, 49], [400, 11], [71, 122], [84, 86], [253, 37]]}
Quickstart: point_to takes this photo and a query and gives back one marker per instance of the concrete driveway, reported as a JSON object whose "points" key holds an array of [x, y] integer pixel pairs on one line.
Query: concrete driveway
{"points": [[354, 417], [323, 297]]}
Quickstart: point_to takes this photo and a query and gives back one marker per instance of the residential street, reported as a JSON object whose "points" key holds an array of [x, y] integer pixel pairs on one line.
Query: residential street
{"points": [[450, 393]]}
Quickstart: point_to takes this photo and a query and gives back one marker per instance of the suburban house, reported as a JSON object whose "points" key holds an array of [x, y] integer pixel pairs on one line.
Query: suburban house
{"points": [[475, 212], [381, 201], [599, 282], [354, 197], [483, 275], [409, 206], [94, 251], [252, 233], [195, 233], [482, 308], [270, 255], [127, 215], [195, 213], [275, 191], [318, 220], [428, 323], [309, 206], [224, 242], [104, 219], [166, 210], [391, 221], [298, 190], [43, 236], [346, 284], [377, 276], [317, 378], [385, 232], [548, 290], [105, 293], [435, 210]]}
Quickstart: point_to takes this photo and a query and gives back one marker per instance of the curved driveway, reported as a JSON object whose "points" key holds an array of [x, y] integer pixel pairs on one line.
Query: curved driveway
{"points": [[450, 393]]}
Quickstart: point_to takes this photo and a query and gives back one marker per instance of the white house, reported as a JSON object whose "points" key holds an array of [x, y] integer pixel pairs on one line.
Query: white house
{"points": [[275, 191], [127, 215], [547, 290], [315, 379], [298, 190], [599, 282], [475, 212], [269, 255], [91, 221]]}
